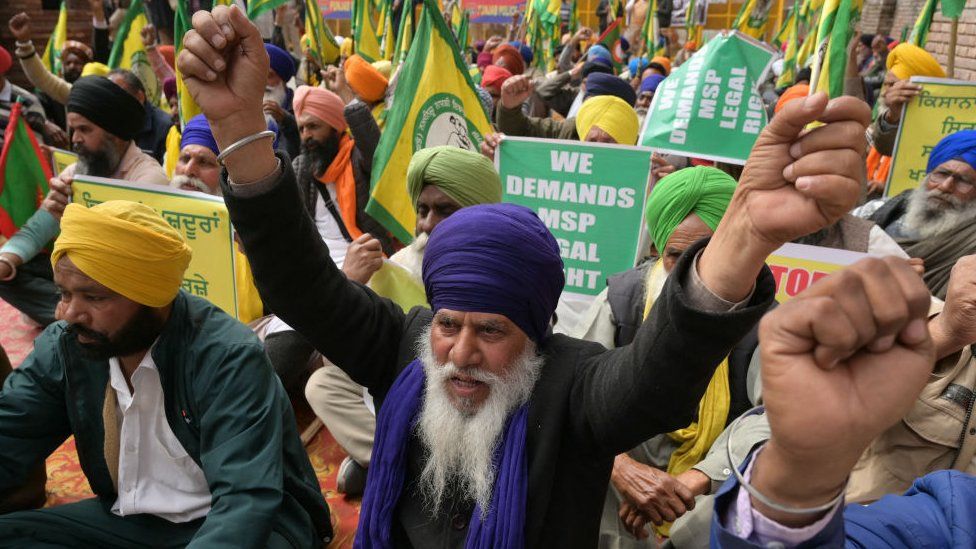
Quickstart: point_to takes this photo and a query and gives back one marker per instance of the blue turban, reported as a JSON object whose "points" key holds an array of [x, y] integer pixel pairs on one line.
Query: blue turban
{"points": [[281, 62], [651, 83], [637, 66], [197, 132], [955, 146], [525, 51], [599, 83], [495, 258], [598, 51]]}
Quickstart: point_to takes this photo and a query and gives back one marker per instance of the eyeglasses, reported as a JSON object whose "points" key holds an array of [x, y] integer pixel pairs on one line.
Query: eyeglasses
{"points": [[962, 184]]}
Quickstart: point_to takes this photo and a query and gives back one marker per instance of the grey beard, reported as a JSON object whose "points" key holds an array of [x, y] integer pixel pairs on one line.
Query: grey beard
{"points": [[926, 220], [100, 163], [460, 443]]}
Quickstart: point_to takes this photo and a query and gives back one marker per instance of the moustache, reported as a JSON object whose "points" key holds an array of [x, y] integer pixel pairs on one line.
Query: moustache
{"points": [[88, 333]]}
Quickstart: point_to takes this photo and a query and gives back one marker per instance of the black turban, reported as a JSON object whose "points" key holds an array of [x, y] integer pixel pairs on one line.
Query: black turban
{"points": [[107, 106]]}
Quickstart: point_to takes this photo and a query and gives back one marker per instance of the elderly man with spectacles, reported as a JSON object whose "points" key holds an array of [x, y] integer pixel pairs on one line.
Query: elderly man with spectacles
{"points": [[935, 222]]}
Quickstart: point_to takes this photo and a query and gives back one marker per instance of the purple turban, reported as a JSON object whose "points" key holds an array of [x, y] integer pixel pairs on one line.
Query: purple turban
{"points": [[197, 132], [282, 63], [169, 88], [651, 83], [955, 146], [495, 258]]}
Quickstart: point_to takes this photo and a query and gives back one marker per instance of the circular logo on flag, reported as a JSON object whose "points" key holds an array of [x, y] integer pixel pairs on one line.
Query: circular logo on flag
{"points": [[441, 121]]}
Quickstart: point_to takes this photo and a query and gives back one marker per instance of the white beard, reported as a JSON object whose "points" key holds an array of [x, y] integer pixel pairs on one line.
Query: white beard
{"points": [[179, 181], [926, 220], [460, 443], [278, 94]]}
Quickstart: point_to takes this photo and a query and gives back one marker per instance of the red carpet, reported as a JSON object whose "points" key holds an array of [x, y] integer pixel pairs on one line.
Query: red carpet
{"points": [[66, 482]]}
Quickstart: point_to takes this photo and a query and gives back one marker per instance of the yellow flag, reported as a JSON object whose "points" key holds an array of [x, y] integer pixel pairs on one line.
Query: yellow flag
{"points": [[129, 53], [188, 107], [435, 103], [320, 40], [59, 35], [368, 21]]}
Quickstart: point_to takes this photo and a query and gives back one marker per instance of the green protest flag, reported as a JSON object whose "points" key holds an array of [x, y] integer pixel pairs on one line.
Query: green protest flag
{"points": [[920, 32], [590, 195], [953, 8], [709, 107], [435, 104]]}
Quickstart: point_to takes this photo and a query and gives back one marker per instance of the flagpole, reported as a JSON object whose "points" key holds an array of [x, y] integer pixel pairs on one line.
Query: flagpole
{"points": [[953, 32], [818, 64]]}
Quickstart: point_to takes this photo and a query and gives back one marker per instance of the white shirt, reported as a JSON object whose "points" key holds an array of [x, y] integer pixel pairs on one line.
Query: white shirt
{"points": [[156, 475], [329, 229]]}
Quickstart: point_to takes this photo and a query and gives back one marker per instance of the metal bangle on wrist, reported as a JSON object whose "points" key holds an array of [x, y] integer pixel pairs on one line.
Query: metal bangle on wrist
{"points": [[13, 269], [759, 495], [241, 143]]}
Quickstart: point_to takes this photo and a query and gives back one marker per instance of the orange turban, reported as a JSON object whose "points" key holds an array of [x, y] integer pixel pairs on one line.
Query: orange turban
{"points": [[494, 76], [513, 59], [368, 83], [168, 54], [664, 62], [798, 91], [322, 104]]}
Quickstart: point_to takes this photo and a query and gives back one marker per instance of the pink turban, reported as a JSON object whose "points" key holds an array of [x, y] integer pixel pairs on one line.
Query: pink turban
{"points": [[322, 104]]}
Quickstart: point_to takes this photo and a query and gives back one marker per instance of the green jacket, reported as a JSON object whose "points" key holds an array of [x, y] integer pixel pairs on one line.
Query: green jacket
{"points": [[223, 402]]}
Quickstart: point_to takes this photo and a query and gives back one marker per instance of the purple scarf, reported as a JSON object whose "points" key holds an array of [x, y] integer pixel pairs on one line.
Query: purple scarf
{"points": [[504, 525]]}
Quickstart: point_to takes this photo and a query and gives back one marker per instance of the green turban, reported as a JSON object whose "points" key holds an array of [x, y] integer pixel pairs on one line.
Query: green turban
{"points": [[703, 191], [467, 177]]}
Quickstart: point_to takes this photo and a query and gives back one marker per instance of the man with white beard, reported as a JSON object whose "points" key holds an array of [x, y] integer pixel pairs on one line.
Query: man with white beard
{"points": [[278, 98], [935, 221], [493, 275], [440, 181]]}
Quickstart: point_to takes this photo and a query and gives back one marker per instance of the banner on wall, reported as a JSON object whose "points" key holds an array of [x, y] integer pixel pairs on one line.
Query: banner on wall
{"points": [[493, 11], [336, 9]]}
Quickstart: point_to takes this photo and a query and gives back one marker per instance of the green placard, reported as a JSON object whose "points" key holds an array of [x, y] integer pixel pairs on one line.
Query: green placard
{"points": [[590, 195], [709, 107]]}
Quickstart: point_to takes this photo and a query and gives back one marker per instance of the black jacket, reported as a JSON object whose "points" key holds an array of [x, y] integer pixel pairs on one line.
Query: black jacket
{"points": [[589, 403], [152, 138]]}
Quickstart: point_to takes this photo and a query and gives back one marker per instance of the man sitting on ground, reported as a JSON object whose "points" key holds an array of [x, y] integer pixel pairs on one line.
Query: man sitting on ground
{"points": [[183, 431]]}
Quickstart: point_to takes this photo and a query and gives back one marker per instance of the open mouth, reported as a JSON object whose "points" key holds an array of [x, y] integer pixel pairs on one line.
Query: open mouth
{"points": [[464, 385]]}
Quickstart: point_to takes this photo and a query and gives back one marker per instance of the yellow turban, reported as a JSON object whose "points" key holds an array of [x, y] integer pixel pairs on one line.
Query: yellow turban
{"points": [[612, 115], [95, 68], [385, 67], [127, 247], [908, 60]]}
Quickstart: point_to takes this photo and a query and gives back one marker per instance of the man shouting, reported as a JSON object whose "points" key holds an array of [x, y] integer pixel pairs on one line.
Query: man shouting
{"points": [[491, 431]]}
